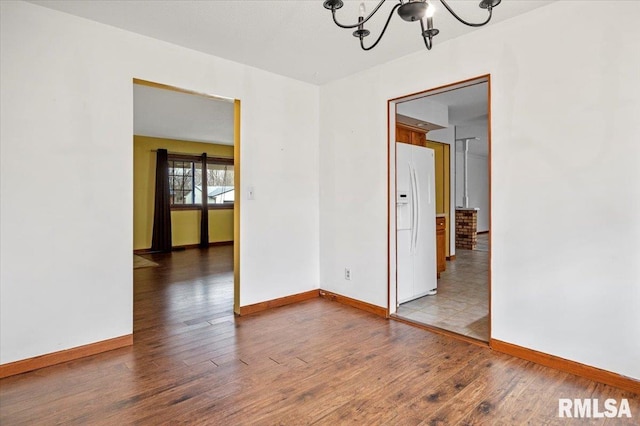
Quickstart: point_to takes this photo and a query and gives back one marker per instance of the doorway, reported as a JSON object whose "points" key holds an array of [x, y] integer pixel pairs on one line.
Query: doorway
{"points": [[198, 135], [452, 123]]}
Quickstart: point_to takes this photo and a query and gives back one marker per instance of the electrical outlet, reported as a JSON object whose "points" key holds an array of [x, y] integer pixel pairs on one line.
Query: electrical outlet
{"points": [[347, 273]]}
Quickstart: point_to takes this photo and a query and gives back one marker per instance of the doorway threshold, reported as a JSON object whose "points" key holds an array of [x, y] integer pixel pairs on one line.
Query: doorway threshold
{"points": [[439, 330]]}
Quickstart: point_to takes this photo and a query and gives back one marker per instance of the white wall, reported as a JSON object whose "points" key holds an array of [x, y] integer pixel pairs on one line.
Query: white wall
{"points": [[477, 169], [566, 176], [477, 186], [67, 120]]}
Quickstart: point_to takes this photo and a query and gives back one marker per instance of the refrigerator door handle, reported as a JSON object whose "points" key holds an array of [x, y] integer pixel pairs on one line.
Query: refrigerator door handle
{"points": [[429, 188], [413, 208], [417, 203]]}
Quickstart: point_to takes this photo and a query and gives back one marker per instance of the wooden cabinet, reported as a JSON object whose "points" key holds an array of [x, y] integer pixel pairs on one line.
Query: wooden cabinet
{"points": [[441, 251], [409, 135], [419, 138], [403, 135]]}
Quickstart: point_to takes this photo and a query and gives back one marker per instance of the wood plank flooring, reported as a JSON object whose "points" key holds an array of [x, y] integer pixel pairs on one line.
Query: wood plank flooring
{"points": [[316, 362]]}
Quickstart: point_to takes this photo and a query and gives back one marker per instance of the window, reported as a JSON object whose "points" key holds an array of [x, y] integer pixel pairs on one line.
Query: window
{"points": [[220, 183], [182, 180], [185, 182]]}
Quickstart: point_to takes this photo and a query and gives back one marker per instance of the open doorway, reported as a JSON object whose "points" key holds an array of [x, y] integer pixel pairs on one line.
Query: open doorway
{"points": [[441, 278], [186, 203]]}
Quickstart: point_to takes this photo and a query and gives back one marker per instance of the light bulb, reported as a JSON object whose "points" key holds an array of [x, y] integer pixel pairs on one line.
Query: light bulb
{"points": [[363, 10], [430, 10]]}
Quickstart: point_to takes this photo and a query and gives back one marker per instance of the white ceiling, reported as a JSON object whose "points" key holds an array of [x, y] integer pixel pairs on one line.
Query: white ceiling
{"points": [[468, 111], [295, 38], [467, 104], [174, 115]]}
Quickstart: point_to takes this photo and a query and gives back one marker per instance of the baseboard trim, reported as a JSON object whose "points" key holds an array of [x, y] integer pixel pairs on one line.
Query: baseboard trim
{"points": [[452, 257], [568, 366], [212, 244], [274, 303], [377, 310], [47, 360], [187, 247]]}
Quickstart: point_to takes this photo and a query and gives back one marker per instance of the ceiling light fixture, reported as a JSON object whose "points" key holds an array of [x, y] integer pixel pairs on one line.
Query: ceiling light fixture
{"points": [[410, 11]]}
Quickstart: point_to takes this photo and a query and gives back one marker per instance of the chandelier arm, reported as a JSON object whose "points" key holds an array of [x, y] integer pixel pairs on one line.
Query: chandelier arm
{"points": [[471, 24], [428, 42], [373, 12], [383, 30]]}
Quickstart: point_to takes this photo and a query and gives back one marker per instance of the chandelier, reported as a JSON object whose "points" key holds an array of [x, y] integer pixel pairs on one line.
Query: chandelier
{"points": [[410, 11]]}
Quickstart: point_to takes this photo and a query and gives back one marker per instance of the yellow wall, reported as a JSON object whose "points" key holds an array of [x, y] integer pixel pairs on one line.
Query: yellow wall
{"points": [[443, 180], [185, 224]]}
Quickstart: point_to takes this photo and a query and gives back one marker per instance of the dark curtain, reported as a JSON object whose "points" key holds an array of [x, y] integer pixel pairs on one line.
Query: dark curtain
{"points": [[204, 213], [162, 214]]}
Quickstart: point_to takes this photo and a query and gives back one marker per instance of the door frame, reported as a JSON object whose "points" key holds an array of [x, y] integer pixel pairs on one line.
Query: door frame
{"points": [[236, 177], [391, 195]]}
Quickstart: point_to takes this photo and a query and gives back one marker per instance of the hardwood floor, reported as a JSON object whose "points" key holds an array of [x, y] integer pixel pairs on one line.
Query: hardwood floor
{"points": [[320, 362]]}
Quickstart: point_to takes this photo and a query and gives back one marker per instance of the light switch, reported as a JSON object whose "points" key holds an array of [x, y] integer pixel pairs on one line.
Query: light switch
{"points": [[251, 194]]}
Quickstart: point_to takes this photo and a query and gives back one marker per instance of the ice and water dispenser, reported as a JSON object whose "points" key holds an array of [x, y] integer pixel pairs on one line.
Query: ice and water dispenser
{"points": [[403, 210]]}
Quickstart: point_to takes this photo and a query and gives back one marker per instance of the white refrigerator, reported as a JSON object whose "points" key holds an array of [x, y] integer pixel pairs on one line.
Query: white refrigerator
{"points": [[416, 222]]}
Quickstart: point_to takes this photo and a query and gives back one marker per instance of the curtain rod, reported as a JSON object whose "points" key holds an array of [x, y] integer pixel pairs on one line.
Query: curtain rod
{"points": [[191, 154]]}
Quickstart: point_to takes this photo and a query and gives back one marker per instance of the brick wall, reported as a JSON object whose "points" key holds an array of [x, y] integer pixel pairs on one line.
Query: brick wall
{"points": [[466, 229]]}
